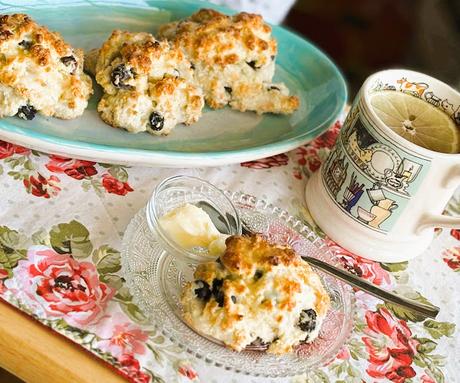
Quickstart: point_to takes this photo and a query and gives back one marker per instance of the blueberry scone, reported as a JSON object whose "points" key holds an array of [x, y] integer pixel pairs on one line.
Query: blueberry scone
{"points": [[256, 292], [39, 72], [234, 60], [148, 85]]}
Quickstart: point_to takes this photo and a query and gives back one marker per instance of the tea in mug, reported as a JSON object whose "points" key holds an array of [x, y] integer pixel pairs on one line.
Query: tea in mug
{"points": [[417, 121]]}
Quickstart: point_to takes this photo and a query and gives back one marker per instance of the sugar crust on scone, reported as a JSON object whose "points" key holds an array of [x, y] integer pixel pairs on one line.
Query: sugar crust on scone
{"points": [[39, 71], [256, 291], [234, 60], [148, 85]]}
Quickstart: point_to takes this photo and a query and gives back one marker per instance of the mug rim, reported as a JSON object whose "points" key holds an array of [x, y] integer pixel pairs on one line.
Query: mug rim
{"points": [[365, 95]]}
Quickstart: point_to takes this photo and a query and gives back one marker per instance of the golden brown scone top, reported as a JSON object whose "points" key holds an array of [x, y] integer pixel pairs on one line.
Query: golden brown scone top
{"points": [[256, 290], [244, 253], [40, 71], [143, 56], [217, 39], [248, 259], [13, 26]]}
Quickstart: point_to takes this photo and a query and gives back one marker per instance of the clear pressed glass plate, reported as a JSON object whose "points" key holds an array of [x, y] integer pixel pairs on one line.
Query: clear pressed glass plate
{"points": [[155, 279]]}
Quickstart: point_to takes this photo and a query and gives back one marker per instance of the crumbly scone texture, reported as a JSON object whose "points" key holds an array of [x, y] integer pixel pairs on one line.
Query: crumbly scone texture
{"points": [[148, 85], [256, 292], [234, 60], [39, 72]]}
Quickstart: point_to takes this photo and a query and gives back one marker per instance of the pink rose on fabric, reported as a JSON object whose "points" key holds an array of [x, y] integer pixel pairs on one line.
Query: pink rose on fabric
{"points": [[114, 186], [390, 346], [455, 233], [40, 186], [77, 169], [61, 286], [452, 258], [3, 275], [344, 353], [120, 336], [185, 369], [7, 150], [328, 138], [131, 369], [362, 267], [426, 379], [268, 162], [309, 158]]}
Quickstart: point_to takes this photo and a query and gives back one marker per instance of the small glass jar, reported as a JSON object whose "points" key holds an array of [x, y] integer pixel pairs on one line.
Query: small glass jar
{"points": [[179, 190]]}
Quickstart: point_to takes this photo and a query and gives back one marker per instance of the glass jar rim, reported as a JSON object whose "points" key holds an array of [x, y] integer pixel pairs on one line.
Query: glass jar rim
{"points": [[153, 217]]}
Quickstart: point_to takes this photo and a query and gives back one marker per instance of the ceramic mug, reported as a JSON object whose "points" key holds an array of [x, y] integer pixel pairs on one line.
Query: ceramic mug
{"points": [[377, 194]]}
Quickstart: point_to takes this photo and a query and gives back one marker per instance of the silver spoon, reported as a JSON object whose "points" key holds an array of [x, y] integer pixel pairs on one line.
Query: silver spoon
{"points": [[427, 311]]}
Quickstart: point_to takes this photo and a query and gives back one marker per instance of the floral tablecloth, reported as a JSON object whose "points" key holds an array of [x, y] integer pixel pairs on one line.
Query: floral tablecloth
{"points": [[61, 226]]}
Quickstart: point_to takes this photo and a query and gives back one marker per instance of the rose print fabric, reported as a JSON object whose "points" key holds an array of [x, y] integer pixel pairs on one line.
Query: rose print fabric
{"points": [[61, 226]]}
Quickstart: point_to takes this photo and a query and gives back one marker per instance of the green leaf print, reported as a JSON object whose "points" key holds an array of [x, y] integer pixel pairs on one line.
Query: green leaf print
{"points": [[439, 329], [394, 267], [12, 248], [157, 379], [357, 350], [86, 185], [71, 238], [106, 259], [160, 339], [315, 376], [133, 312], [117, 283], [436, 374], [112, 280], [403, 313], [124, 295], [119, 173], [41, 237], [15, 161], [426, 345], [339, 368], [28, 165], [430, 362]]}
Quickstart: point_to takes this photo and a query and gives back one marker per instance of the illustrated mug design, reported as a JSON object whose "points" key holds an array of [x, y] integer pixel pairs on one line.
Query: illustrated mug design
{"points": [[378, 194], [370, 177]]}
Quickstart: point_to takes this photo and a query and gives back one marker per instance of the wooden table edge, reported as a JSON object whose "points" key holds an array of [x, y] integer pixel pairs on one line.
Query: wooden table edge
{"points": [[36, 354]]}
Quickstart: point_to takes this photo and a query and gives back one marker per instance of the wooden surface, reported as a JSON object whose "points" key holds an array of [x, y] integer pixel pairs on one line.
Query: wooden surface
{"points": [[35, 354]]}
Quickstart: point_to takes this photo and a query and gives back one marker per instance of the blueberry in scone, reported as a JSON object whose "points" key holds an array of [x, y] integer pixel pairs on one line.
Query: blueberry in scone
{"points": [[234, 60], [148, 85], [39, 72], [256, 293]]}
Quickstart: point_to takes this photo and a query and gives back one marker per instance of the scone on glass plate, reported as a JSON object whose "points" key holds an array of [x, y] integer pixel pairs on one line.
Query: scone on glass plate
{"points": [[234, 60], [39, 72], [148, 85], [256, 292]]}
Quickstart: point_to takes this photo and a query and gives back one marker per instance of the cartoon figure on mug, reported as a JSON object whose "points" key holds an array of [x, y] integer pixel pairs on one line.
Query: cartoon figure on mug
{"points": [[400, 179], [413, 88], [432, 99], [381, 210], [335, 172], [352, 193], [395, 180]]}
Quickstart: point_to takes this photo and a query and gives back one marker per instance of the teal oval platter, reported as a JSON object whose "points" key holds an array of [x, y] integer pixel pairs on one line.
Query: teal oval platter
{"points": [[220, 137]]}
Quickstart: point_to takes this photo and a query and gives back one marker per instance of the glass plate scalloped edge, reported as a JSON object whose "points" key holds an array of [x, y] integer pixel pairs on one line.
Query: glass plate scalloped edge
{"points": [[148, 269]]}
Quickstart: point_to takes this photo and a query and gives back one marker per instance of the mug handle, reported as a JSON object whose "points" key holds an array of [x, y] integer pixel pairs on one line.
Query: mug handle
{"points": [[430, 221]]}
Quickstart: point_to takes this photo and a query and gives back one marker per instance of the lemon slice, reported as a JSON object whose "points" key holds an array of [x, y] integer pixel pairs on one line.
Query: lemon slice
{"points": [[417, 121]]}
